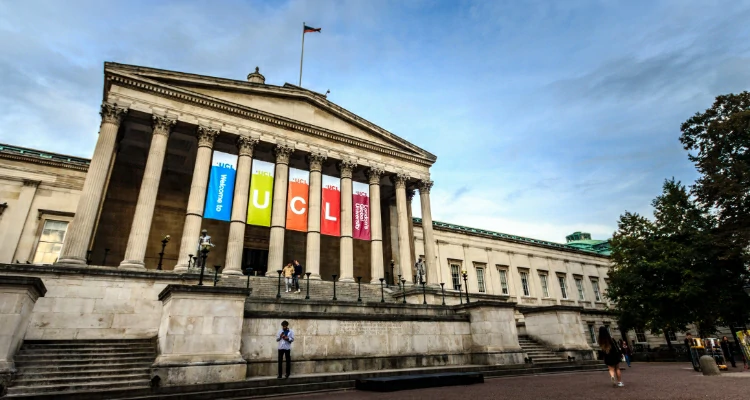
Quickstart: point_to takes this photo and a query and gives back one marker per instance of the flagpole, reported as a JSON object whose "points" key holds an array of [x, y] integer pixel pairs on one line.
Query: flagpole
{"points": [[302, 57]]}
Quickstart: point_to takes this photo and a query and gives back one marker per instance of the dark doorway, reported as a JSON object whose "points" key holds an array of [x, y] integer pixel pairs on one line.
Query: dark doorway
{"points": [[254, 261]]}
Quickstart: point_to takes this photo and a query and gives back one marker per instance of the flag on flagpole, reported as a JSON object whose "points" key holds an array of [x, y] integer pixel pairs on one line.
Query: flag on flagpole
{"points": [[309, 29]]}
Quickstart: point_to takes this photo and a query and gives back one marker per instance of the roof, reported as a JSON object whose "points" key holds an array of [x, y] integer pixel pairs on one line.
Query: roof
{"points": [[43, 157], [589, 250]]}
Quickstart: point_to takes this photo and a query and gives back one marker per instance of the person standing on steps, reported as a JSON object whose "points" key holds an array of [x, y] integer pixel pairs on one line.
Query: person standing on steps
{"points": [[297, 274], [288, 273], [612, 356], [285, 337]]}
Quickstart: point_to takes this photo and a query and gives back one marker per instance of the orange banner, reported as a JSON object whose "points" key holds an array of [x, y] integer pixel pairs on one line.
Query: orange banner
{"points": [[297, 197]]}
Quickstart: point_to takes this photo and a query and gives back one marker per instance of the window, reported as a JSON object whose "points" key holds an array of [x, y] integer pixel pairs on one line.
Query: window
{"points": [[50, 242], [592, 333], [579, 286], [525, 283], [545, 289], [480, 280], [563, 287], [503, 281], [672, 336], [640, 335], [456, 276], [595, 285]]}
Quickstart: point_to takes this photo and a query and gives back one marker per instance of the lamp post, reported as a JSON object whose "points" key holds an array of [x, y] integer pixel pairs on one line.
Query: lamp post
{"points": [[88, 257], [204, 255], [403, 289], [161, 255], [359, 289], [278, 285], [460, 294], [308, 285], [217, 268], [334, 286], [442, 289], [424, 294], [465, 274], [249, 272], [398, 282], [382, 294], [104, 261]]}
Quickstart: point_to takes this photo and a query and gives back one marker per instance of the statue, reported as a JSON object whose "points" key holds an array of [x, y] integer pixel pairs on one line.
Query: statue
{"points": [[204, 241], [419, 265]]}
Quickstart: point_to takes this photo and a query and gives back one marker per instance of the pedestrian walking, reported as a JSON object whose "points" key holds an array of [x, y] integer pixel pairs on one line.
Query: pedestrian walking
{"points": [[285, 337], [626, 351], [612, 356], [726, 348], [288, 273], [688, 343], [297, 274]]}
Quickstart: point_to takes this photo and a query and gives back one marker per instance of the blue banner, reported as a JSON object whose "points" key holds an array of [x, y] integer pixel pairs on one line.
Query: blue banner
{"points": [[221, 187]]}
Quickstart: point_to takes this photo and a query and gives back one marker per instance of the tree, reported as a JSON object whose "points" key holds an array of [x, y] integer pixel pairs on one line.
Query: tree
{"points": [[670, 272]]}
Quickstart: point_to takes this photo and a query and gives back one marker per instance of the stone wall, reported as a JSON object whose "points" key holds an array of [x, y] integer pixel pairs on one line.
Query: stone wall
{"points": [[95, 303], [559, 328], [342, 337]]}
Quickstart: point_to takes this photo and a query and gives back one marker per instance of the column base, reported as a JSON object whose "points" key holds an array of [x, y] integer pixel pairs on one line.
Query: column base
{"points": [[346, 279], [71, 261], [232, 272], [133, 265], [272, 274], [377, 282], [315, 277], [180, 268]]}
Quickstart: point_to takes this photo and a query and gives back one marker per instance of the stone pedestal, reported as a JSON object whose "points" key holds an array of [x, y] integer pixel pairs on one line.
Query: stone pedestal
{"points": [[559, 329], [18, 294], [493, 333], [200, 335]]}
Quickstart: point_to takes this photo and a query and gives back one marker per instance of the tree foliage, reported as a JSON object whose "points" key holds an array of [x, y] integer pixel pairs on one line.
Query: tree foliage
{"points": [[689, 265]]}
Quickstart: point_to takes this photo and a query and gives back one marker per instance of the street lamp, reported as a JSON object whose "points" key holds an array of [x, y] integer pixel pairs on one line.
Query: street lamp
{"points": [[399, 277], [161, 255], [465, 274]]}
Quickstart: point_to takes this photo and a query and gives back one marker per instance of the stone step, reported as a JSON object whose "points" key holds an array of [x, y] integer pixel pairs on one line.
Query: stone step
{"points": [[51, 389], [117, 376], [86, 350], [23, 375], [86, 343], [37, 368], [55, 362], [82, 357]]}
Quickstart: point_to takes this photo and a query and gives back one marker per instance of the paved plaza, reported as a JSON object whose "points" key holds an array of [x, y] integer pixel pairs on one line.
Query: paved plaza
{"points": [[642, 381]]}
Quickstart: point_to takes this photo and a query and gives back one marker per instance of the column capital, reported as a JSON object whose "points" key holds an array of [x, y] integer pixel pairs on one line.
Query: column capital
{"points": [[163, 125], [409, 194], [425, 186], [374, 174], [246, 145], [206, 136], [31, 183], [316, 161], [346, 167], [399, 180], [112, 114], [283, 153]]}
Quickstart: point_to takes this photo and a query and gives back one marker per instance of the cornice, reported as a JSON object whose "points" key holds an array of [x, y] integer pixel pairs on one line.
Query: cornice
{"points": [[79, 164], [142, 84]]}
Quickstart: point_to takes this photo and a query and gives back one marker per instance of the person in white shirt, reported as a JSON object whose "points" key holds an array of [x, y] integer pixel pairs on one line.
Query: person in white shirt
{"points": [[285, 337]]}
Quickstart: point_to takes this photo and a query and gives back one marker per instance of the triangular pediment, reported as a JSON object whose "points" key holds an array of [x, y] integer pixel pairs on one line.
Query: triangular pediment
{"points": [[289, 102]]}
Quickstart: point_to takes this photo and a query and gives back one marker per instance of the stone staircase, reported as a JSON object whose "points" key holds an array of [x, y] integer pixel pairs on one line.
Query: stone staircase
{"points": [[538, 353], [265, 287], [54, 367]]}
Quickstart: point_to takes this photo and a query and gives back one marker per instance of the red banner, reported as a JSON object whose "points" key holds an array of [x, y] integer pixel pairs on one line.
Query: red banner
{"points": [[361, 211], [299, 191], [330, 209]]}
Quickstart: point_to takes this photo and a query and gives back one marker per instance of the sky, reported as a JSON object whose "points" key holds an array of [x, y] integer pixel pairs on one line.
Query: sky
{"points": [[547, 117]]}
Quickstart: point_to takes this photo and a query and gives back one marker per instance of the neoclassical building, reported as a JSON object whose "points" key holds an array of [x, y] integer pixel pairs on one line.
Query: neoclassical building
{"points": [[273, 174]]}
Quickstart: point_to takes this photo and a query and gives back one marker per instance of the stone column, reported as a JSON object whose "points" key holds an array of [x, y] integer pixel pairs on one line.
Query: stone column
{"points": [[346, 258], [79, 233], [144, 208], [197, 200], [376, 227], [236, 241], [17, 221], [410, 218], [313, 215], [278, 213], [404, 250], [431, 262]]}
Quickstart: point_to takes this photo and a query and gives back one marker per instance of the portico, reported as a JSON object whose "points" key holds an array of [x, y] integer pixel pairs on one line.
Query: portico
{"points": [[150, 174]]}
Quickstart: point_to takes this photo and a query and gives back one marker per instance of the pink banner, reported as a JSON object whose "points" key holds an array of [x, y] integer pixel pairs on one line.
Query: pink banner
{"points": [[361, 211]]}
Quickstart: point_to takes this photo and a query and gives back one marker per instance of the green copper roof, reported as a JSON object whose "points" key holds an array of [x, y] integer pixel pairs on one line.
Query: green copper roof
{"points": [[445, 225], [16, 151]]}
